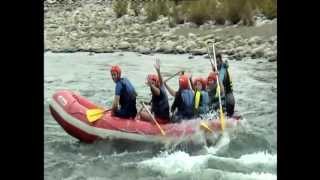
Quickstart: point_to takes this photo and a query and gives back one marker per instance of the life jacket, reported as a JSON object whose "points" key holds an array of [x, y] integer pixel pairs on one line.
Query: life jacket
{"points": [[160, 104], [201, 102], [213, 99], [225, 78], [128, 93], [204, 106], [186, 106]]}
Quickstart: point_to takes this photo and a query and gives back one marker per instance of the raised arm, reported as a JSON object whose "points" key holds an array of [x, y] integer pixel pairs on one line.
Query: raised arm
{"points": [[157, 67], [171, 91], [154, 88]]}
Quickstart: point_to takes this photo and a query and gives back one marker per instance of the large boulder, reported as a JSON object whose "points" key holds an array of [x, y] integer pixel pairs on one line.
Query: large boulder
{"points": [[199, 51], [190, 45], [257, 52], [143, 50], [180, 49], [124, 45], [255, 40], [168, 47], [192, 36]]}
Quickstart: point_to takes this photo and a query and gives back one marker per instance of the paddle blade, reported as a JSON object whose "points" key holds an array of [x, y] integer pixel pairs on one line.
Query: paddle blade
{"points": [[94, 114], [222, 119], [197, 99], [205, 126], [162, 132]]}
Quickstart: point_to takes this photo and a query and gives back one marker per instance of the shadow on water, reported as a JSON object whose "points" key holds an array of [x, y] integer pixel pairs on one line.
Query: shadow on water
{"points": [[246, 143]]}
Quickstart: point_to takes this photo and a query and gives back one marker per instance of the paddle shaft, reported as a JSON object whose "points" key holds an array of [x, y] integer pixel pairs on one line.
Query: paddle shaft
{"points": [[144, 106], [172, 76], [218, 81], [218, 84]]}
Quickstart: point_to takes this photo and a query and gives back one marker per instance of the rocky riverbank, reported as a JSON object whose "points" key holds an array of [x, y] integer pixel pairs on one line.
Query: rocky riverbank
{"points": [[92, 26]]}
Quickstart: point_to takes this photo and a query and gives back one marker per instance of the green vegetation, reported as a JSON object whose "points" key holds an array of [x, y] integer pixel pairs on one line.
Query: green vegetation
{"points": [[120, 7], [201, 11]]}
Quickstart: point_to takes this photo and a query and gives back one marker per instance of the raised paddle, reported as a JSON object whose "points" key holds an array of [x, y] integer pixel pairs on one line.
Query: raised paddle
{"points": [[95, 114], [161, 130], [173, 76], [218, 84]]}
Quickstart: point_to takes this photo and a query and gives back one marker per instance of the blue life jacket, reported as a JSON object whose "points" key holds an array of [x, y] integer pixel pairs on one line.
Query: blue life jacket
{"points": [[160, 104], [185, 109], [225, 78], [127, 95], [204, 102]]}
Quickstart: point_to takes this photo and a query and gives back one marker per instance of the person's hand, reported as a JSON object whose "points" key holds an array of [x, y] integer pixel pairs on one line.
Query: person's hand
{"points": [[157, 64], [148, 83]]}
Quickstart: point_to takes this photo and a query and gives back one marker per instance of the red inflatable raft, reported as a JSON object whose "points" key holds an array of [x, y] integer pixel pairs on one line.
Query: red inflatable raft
{"points": [[69, 110]]}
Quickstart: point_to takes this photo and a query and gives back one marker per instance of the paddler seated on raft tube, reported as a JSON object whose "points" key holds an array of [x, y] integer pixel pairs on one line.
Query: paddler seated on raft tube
{"points": [[159, 101], [125, 95], [201, 98], [227, 87], [183, 101], [213, 93]]}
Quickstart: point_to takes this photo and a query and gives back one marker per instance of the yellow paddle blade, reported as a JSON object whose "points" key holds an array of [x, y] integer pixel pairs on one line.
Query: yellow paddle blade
{"points": [[222, 119], [162, 132], [205, 126], [197, 99], [94, 114]]}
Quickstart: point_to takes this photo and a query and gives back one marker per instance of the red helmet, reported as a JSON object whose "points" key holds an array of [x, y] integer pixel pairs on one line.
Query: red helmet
{"points": [[195, 80], [184, 82], [153, 77], [116, 69], [212, 76], [203, 82]]}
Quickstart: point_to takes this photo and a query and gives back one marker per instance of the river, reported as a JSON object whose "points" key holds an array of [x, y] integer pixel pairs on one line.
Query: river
{"points": [[251, 153]]}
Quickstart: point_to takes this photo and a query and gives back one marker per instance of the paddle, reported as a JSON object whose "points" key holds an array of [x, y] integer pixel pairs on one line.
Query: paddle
{"points": [[173, 76], [205, 126], [161, 130], [95, 114], [218, 84]]}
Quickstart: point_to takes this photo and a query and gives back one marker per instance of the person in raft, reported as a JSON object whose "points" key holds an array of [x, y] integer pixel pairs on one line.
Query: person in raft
{"points": [[227, 87], [125, 95], [159, 101], [183, 100], [201, 98], [213, 93]]}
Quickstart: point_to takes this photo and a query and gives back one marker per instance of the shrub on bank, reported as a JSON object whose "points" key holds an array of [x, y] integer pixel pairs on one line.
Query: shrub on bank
{"points": [[268, 8], [120, 7], [152, 11], [155, 8], [200, 11], [136, 6]]}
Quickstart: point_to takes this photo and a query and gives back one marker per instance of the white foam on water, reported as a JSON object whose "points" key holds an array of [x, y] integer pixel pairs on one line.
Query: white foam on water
{"points": [[181, 162], [222, 142], [177, 162], [126, 153], [253, 176], [259, 157]]}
